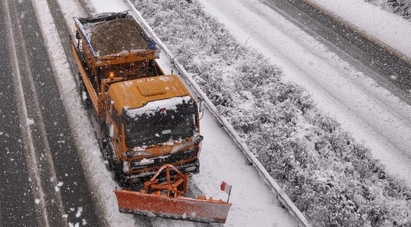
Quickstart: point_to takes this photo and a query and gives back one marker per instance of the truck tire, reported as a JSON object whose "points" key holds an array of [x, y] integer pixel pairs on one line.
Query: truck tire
{"points": [[108, 154], [119, 176]]}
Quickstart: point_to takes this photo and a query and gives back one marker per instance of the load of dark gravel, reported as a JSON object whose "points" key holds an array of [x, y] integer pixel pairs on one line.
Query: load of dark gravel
{"points": [[116, 36]]}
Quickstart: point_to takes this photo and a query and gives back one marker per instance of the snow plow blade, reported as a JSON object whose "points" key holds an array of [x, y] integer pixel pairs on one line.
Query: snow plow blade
{"points": [[181, 208], [165, 199]]}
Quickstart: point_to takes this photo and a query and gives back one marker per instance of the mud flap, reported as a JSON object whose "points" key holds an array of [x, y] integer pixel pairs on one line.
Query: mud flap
{"points": [[181, 208]]}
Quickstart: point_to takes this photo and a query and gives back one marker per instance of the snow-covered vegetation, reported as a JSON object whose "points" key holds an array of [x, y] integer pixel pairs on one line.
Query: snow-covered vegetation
{"points": [[400, 7], [331, 178]]}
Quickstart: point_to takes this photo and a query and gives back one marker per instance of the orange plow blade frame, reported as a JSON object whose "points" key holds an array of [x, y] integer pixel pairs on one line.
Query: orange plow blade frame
{"points": [[181, 208], [165, 200]]}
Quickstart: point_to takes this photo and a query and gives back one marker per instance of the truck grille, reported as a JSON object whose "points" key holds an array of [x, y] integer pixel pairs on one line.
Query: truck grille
{"points": [[159, 161]]}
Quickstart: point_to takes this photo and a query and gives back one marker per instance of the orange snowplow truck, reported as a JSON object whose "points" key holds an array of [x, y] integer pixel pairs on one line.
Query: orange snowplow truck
{"points": [[144, 119], [147, 123]]}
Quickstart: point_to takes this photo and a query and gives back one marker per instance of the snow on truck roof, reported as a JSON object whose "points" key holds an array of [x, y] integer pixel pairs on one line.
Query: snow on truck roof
{"points": [[113, 34], [151, 91], [152, 107]]}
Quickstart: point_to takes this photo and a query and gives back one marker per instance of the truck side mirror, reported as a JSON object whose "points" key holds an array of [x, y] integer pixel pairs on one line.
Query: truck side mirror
{"points": [[78, 35], [200, 107], [198, 139]]}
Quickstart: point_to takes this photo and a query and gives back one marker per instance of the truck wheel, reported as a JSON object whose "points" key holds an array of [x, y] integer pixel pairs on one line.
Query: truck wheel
{"points": [[122, 182], [108, 155], [103, 149], [110, 164], [119, 176]]}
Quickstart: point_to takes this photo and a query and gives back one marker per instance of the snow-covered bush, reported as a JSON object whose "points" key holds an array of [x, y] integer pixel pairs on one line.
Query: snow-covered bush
{"points": [[331, 178]]}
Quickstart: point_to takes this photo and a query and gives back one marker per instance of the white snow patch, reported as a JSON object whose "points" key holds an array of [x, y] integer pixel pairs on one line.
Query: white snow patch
{"points": [[58, 186], [79, 211], [388, 29], [30, 121]]}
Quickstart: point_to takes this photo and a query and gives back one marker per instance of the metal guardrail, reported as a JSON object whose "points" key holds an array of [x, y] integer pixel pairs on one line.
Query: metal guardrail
{"points": [[283, 197]]}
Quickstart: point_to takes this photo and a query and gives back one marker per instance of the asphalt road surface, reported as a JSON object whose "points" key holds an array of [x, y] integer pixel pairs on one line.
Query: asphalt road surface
{"points": [[41, 178]]}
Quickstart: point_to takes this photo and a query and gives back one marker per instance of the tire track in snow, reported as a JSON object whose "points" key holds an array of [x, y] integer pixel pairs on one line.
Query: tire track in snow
{"points": [[87, 148]]}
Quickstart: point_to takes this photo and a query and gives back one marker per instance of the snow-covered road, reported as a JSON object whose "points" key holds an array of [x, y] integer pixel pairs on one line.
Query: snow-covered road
{"points": [[370, 112], [253, 202]]}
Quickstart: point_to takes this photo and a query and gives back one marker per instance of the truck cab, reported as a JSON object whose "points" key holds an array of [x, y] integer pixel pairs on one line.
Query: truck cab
{"points": [[143, 118], [152, 121]]}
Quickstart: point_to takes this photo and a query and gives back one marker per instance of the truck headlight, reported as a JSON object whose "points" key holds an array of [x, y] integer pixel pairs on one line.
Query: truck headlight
{"points": [[126, 166]]}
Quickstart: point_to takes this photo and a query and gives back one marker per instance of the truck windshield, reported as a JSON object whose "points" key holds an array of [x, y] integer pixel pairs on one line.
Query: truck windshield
{"points": [[163, 124]]}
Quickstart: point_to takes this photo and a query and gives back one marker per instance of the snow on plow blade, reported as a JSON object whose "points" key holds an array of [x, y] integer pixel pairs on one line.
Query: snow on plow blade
{"points": [[181, 208]]}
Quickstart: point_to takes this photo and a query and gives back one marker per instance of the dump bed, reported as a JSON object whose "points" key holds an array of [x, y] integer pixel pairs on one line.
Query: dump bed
{"points": [[111, 48], [114, 38]]}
